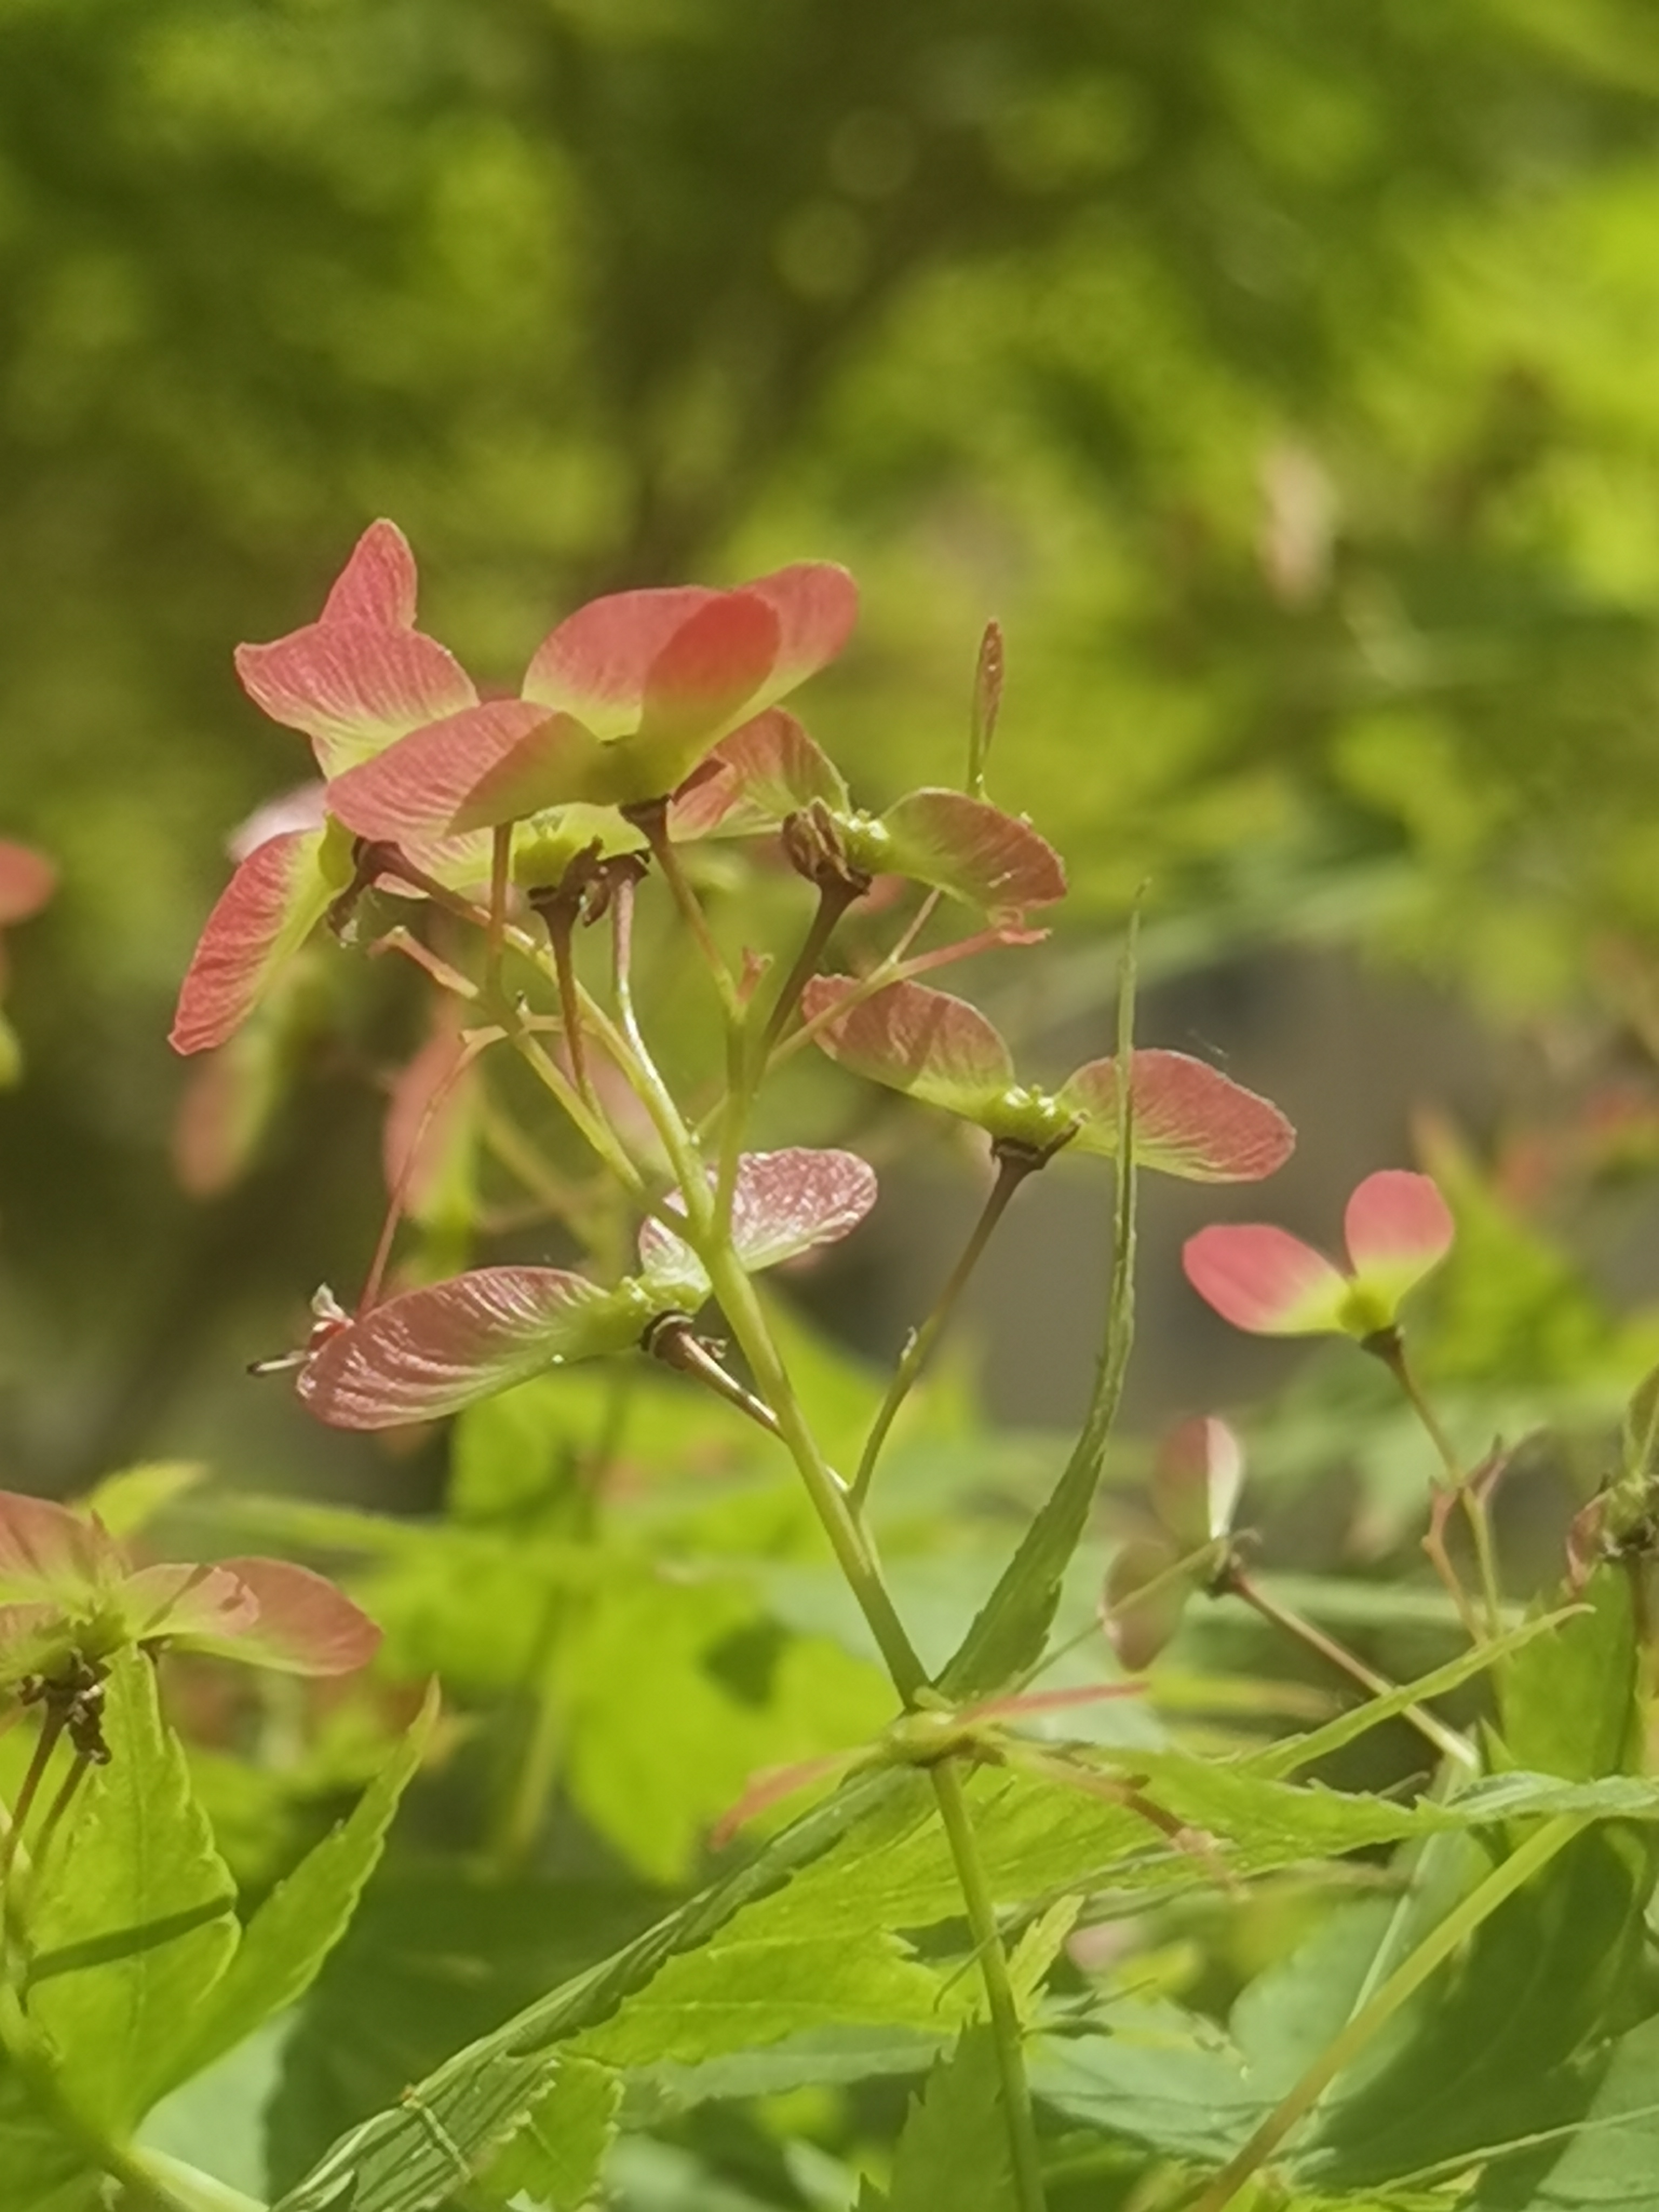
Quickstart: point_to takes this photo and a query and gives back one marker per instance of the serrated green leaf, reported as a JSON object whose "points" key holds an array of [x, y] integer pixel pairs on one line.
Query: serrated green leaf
{"points": [[284, 1945], [812, 2059], [396, 2161], [1159, 2079], [556, 2155], [136, 1919], [1039, 1946], [753, 1986], [1570, 1705], [436, 1957], [680, 1692], [954, 2150]]}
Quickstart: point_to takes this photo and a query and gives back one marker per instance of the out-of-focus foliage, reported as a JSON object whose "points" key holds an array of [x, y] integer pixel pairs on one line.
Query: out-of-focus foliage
{"points": [[1282, 377]]}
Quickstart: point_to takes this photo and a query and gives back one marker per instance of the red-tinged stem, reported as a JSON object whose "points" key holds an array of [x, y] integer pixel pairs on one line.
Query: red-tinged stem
{"points": [[1445, 1741], [835, 895], [675, 1342], [1387, 1347], [52, 1727], [560, 927], [473, 1048], [55, 1812], [388, 860], [401, 939], [1013, 1168], [652, 822]]}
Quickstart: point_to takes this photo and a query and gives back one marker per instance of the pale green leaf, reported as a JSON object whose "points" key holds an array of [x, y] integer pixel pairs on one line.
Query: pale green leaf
{"points": [[136, 1919], [556, 2155], [403, 2159], [285, 1943], [751, 1987]]}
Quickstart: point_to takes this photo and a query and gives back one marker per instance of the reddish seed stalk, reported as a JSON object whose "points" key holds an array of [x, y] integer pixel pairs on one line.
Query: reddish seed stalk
{"points": [[52, 1727], [1444, 1740]]}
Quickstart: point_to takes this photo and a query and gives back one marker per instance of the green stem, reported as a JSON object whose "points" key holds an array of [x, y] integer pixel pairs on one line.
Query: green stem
{"points": [[747, 1322], [1000, 2004], [1402, 1984], [653, 823], [596, 1131], [1013, 1168], [501, 867]]}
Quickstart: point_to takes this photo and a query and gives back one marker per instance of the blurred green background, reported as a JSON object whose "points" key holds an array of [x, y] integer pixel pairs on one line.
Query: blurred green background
{"points": [[1282, 375]]}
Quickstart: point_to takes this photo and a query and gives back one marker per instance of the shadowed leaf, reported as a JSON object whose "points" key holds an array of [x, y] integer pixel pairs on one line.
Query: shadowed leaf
{"points": [[1197, 1480]]}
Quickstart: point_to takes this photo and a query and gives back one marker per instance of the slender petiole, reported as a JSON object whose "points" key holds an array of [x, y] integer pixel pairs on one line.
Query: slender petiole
{"points": [[1013, 1168]]}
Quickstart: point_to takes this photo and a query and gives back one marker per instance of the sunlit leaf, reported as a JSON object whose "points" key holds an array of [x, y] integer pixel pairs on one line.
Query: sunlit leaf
{"points": [[422, 786], [377, 583], [1398, 1227], [354, 688], [284, 1945], [555, 2156], [138, 1920], [300, 1623]]}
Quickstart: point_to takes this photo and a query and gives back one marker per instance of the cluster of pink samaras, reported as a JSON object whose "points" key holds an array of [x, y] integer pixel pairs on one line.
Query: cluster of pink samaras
{"points": [[664, 703]]}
